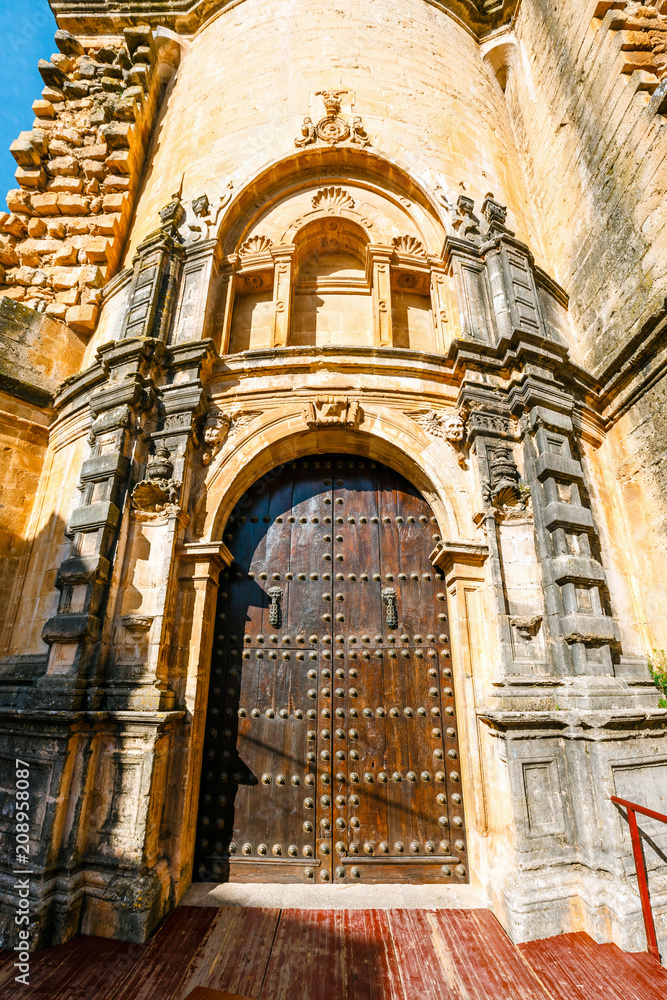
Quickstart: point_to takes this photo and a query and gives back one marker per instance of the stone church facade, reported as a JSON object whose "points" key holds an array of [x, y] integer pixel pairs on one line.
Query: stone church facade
{"points": [[266, 262]]}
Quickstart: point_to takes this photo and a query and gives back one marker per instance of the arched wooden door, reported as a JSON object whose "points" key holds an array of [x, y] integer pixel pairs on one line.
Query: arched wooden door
{"points": [[331, 750]]}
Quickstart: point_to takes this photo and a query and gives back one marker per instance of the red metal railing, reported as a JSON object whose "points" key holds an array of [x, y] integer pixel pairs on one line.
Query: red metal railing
{"points": [[640, 868]]}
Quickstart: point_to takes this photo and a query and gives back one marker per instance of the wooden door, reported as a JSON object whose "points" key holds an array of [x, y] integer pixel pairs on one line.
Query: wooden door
{"points": [[331, 749]]}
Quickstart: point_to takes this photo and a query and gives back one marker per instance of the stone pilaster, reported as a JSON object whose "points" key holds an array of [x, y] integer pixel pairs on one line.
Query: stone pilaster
{"points": [[125, 392], [378, 264], [282, 293]]}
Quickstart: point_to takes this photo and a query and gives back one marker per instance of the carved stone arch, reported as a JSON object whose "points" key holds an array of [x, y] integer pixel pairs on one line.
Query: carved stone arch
{"points": [[346, 209], [387, 436], [415, 182]]}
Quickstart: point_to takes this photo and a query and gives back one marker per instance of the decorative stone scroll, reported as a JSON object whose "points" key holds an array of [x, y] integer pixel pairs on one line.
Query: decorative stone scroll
{"points": [[332, 411]]}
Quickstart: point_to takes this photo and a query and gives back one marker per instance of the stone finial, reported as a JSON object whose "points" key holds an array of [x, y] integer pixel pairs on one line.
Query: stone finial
{"points": [[160, 466], [495, 214]]}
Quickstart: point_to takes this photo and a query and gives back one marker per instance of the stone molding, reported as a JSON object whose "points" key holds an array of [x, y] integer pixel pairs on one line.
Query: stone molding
{"points": [[449, 554], [202, 560], [188, 16]]}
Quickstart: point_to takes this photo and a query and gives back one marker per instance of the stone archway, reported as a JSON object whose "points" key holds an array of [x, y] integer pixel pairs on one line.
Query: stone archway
{"points": [[331, 746]]}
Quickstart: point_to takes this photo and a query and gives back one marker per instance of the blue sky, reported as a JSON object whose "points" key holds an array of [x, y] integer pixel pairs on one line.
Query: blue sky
{"points": [[28, 27]]}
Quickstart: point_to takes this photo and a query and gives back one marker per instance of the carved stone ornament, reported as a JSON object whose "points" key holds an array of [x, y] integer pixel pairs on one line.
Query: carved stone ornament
{"points": [[173, 214], [493, 423], [408, 244], [443, 424], [331, 411], [407, 281], [333, 128], [216, 430], [201, 206], [208, 214], [256, 244], [359, 134], [468, 227], [465, 222], [160, 466], [526, 625], [503, 488], [446, 425], [332, 200], [495, 215], [155, 495]]}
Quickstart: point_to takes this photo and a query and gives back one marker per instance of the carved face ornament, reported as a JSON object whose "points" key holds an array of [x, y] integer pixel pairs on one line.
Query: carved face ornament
{"points": [[453, 428]]}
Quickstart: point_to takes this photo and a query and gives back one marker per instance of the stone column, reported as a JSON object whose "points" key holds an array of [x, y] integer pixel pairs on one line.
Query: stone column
{"points": [[379, 266], [83, 577], [193, 311], [463, 262], [574, 579], [156, 269]]}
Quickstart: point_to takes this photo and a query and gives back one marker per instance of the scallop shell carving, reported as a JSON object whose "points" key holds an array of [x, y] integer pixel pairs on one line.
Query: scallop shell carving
{"points": [[332, 199], [408, 244], [256, 244]]}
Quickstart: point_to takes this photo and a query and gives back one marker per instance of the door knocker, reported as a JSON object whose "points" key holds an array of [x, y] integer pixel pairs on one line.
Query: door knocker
{"points": [[275, 595], [389, 598]]}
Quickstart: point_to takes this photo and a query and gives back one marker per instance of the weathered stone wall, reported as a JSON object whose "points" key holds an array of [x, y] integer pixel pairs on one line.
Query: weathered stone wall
{"points": [[587, 96], [23, 443], [79, 169], [638, 463], [37, 353], [588, 108]]}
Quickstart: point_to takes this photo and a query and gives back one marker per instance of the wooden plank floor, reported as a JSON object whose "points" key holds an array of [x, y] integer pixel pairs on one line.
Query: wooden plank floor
{"points": [[273, 954]]}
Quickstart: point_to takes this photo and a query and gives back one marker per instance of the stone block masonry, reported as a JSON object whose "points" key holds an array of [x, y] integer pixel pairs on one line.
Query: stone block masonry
{"points": [[78, 170]]}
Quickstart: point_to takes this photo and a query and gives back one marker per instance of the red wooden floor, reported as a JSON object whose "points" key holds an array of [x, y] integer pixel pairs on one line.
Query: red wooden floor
{"points": [[274, 954]]}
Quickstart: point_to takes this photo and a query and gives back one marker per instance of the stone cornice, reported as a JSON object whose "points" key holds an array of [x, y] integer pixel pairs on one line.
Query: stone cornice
{"points": [[95, 17], [573, 724]]}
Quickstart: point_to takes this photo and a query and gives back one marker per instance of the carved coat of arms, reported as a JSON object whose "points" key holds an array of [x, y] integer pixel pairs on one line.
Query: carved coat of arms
{"points": [[333, 128]]}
